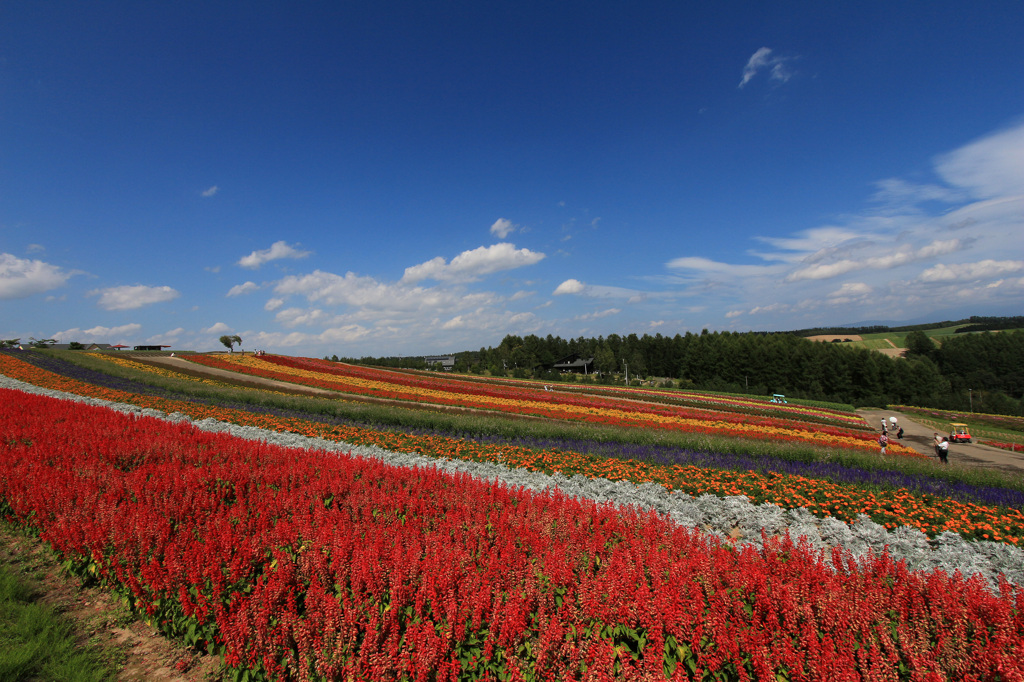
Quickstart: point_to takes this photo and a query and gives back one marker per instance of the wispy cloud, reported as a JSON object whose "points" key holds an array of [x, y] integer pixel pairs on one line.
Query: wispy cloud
{"points": [[597, 315], [916, 247], [765, 60], [21, 277], [132, 297], [987, 168], [888, 259], [277, 251], [210, 191], [706, 266]]}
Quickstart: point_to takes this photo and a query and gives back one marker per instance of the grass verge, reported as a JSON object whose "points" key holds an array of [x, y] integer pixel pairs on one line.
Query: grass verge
{"points": [[36, 642]]}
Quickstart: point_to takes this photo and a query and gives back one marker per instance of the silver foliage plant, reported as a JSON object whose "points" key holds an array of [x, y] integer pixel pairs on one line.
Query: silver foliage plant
{"points": [[715, 516]]}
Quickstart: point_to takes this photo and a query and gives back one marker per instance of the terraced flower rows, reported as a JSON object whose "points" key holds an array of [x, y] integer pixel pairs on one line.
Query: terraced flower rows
{"points": [[890, 507], [298, 564], [747, 405], [398, 386]]}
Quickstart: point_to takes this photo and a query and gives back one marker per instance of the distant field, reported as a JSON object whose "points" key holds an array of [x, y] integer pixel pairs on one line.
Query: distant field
{"points": [[887, 342], [899, 338]]}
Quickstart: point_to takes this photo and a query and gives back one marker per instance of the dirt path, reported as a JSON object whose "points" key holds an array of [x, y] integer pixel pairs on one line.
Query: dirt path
{"points": [[100, 619], [920, 437]]}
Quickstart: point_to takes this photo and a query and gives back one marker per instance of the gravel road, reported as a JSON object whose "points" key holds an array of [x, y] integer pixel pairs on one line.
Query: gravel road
{"points": [[973, 454]]}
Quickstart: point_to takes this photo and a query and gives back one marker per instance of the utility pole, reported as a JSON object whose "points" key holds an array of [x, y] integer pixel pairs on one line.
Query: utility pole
{"points": [[970, 395], [626, 365]]}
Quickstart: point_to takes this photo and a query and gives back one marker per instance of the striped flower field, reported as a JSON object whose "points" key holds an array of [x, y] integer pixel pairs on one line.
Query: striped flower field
{"points": [[538, 402], [248, 549]]}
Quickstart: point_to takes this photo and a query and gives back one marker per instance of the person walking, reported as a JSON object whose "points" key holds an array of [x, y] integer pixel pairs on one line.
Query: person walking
{"points": [[936, 441], [944, 451], [883, 441]]}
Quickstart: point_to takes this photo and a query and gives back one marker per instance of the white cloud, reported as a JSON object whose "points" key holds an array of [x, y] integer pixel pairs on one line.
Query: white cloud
{"points": [[950, 272], [210, 192], [929, 245], [246, 288], [777, 66], [502, 228], [570, 286], [298, 317], [427, 332], [773, 308], [273, 304], [455, 323], [218, 328], [598, 315], [277, 251], [824, 270], [851, 289], [939, 248], [334, 336], [359, 291], [574, 286], [168, 337], [20, 277], [132, 297], [469, 266], [98, 334]]}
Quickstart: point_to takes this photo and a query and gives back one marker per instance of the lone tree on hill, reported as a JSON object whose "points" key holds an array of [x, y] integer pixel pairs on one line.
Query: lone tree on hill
{"points": [[229, 341]]}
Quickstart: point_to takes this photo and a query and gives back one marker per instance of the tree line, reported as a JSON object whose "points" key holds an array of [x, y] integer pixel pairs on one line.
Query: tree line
{"points": [[983, 371]]}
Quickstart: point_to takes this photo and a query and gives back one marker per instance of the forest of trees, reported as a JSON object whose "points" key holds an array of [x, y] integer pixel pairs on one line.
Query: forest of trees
{"points": [[982, 370]]}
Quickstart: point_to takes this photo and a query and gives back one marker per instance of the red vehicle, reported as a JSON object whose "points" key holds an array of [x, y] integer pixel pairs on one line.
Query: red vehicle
{"points": [[958, 433]]}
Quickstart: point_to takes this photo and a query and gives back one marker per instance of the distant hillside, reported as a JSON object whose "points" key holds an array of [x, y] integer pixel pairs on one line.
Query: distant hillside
{"points": [[927, 365], [971, 324]]}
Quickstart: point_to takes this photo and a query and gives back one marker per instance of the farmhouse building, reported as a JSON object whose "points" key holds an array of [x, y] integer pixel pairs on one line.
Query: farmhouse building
{"points": [[574, 363], [447, 362]]}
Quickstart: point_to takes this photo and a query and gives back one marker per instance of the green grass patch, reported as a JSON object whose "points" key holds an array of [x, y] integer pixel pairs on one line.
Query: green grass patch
{"points": [[899, 339], [37, 643]]}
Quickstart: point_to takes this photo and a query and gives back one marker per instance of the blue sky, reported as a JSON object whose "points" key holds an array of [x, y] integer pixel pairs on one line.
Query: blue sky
{"points": [[412, 178]]}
